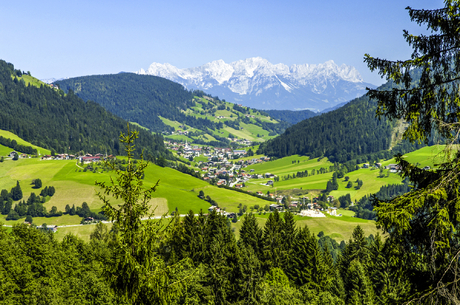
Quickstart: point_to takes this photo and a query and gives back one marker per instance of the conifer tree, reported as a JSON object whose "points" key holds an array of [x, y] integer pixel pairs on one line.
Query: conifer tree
{"points": [[288, 232], [16, 192], [299, 269], [251, 234], [273, 245], [359, 288], [423, 221], [137, 274]]}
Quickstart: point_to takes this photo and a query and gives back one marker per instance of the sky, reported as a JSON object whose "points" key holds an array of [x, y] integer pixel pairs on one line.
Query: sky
{"points": [[56, 39]]}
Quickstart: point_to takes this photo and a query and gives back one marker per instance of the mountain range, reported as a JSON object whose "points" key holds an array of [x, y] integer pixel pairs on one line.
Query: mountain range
{"points": [[257, 83]]}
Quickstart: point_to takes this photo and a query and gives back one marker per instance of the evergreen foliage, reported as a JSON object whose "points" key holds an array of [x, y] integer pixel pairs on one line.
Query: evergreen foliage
{"points": [[144, 99], [137, 98], [423, 223], [292, 117], [17, 147], [351, 132], [63, 122]]}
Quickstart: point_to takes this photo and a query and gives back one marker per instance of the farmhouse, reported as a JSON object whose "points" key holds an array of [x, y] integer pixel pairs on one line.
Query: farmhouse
{"points": [[90, 159], [276, 207]]}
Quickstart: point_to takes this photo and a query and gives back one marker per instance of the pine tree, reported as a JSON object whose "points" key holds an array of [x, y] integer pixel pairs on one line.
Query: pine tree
{"points": [[16, 192], [335, 183], [359, 288], [37, 183], [135, 271], [299, 269], [423, 221], [288, 233], [272, 243], [251, 234]]}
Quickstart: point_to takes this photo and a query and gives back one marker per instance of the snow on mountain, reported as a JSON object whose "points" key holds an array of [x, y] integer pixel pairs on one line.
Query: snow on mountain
{"points": [[52, 80], [257, 83]]}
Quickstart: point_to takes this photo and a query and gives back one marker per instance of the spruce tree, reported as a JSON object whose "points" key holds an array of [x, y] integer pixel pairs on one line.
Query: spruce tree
{"points": [[299, 269], [251, 234], [272, 243], [16, 192], [359, 288], [135, 271], [426, 96]]}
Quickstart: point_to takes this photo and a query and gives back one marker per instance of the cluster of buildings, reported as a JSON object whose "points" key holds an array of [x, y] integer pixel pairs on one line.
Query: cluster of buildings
{"points": [[221, 211], [88, 158]]}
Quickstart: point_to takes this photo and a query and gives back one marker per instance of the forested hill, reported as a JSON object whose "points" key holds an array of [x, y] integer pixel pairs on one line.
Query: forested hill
{"points": [[290, 116], [341, 135], [165, 106], [137, 98], [51, 119]]}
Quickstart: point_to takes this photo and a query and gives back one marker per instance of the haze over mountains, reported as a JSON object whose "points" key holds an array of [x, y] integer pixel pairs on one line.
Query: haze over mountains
{"points": [[257, 83]]}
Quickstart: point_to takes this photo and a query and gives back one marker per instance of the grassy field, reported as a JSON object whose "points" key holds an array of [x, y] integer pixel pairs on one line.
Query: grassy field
{"points": [[289, 165], [180, 191], [9, 135], [249, 131], [73, 186], [339, 228], [314, 184], [426, 156], [371, 183], [30, 80]]}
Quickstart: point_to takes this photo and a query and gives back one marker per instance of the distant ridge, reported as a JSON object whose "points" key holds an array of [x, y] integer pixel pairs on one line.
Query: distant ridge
{"points": [[46, 117], [257, 83]]}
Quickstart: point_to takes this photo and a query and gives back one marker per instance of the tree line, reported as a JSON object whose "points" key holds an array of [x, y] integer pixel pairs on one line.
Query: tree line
{"points": [[18, 147]]}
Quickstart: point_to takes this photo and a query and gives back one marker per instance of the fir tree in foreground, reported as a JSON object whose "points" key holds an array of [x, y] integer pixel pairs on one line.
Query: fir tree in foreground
{"points": [[423, 224], [136, 273]]}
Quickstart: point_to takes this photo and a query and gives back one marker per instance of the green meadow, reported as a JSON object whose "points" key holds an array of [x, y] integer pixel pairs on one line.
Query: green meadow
{"points": [[371, 183], [74, 186], [289, 165], [9, 135], [30, 80], [179, 191], [426, 156], [339, 228]]}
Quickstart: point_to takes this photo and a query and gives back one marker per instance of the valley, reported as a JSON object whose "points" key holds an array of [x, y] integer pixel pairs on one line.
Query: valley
{"points": [[210, 153], [179, 192], [254, 178]]}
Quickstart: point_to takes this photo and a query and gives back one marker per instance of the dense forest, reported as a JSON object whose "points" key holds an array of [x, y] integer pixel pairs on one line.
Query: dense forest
{"points": [[138, 98], [348, 133], [290, 116], [62, 122], [144, 98], [203, 264]]}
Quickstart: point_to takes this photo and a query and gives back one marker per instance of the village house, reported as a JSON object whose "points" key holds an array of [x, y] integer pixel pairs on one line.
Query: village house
{"points": [[222, 182], [276, 207], [332, 211], [89, 159]]}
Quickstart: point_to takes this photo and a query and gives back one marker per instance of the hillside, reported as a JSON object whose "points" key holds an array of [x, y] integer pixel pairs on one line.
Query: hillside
{"points": [[74, 185], [48, 118], [161, 105], [292, 117], [348, 133]]}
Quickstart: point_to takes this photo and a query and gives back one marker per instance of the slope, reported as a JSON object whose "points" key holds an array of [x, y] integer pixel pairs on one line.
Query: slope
{"points": [[164, 106], [48, 118], [344, 134]]}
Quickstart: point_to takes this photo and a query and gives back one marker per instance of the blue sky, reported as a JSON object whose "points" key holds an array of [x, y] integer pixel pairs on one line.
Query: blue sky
{"points": [[75, 38]]}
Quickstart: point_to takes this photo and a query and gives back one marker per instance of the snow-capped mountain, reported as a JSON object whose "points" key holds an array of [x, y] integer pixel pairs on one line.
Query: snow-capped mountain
{"points": [[52, 80], [257, 83]]}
